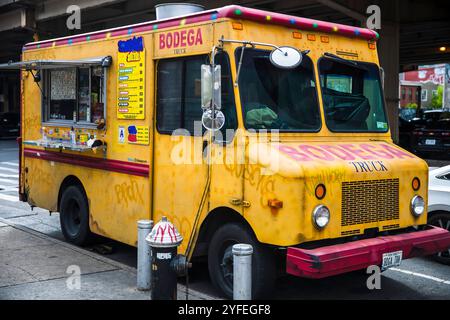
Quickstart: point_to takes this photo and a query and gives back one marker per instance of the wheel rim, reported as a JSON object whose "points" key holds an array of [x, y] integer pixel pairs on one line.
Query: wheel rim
{"points": [[443, 223], [226, 263], [73, 217]]}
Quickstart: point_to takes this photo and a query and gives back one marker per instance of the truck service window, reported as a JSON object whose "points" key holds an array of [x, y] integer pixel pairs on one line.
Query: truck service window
{"points": [[179, 93], [274, 98], [74, 94], [352, 96]]}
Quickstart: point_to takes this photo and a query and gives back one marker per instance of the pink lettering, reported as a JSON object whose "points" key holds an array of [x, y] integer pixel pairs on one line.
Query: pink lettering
{"points": [[317, 153], [294, 154], [338, 152], [162, 42], [169, 40], [199, 39], [183, 38], [191, 37], [176, 39], [180, 39], [379, 153], [396, 152], [357, 152]]}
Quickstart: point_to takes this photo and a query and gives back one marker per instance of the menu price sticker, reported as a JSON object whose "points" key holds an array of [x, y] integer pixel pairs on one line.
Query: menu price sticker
{"points": [[139, 135]]}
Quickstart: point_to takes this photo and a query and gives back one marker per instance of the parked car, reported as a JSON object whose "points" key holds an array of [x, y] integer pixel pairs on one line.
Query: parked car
{"points": [[407, 114], [432, 133], [406, 127], [9, 124], [439, 205]]}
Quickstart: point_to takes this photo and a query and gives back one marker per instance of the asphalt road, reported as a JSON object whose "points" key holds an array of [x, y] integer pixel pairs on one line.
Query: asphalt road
{"points": [[419, 278]]}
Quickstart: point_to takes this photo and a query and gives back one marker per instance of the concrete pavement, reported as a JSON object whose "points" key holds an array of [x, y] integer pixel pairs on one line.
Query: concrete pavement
{"points": [[36, 266]]}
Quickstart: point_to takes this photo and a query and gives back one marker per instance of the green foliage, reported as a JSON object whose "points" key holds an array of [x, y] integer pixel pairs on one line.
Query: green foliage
{"points": [[436, 101], [411, 106]]}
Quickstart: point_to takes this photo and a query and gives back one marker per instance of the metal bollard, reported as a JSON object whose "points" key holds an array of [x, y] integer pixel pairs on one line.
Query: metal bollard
{"points": [[242, 271], [144, 279]]}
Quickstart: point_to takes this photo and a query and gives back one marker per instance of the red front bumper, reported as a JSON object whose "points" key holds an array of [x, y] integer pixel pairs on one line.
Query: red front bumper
{"points": [[337, 259]]}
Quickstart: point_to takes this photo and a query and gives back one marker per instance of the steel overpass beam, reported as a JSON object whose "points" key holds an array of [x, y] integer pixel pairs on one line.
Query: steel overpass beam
{"points": [[21, 18], [54, 8], [344, 10]]}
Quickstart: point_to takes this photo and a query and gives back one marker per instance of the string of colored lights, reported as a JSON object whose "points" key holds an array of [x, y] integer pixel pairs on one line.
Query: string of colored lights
{"points": [[233, 12]]}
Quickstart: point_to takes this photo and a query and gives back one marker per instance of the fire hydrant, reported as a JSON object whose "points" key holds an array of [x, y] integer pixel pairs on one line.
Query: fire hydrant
{"points": [[166, 265]]}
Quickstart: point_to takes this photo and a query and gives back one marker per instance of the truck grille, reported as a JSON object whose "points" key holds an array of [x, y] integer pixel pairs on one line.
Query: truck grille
{"points": [[369, 201]]}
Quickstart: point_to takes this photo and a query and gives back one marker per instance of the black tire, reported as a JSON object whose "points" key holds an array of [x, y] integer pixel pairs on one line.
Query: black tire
{"points": [[220, 261], [74, 216], [441, 220]]}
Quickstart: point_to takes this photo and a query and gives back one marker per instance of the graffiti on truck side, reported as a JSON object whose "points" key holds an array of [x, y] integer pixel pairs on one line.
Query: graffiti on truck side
{"points": [[253, 174], [129, 192]]}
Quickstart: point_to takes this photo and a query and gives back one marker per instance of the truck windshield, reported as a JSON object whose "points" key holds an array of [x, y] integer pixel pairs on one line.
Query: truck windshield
{"points": [[352, 96], [274, 98]]}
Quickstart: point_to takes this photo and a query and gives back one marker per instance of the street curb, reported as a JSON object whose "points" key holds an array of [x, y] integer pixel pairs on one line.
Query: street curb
{"points": [[69, 246], [196, 295]]}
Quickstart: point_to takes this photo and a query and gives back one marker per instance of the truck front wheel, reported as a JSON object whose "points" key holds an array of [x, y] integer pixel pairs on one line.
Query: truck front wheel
{"points": [[220, 261], [74, 216]]}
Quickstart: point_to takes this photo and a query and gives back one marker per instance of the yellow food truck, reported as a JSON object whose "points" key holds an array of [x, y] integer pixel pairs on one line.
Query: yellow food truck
{"points": [[238, 125]]}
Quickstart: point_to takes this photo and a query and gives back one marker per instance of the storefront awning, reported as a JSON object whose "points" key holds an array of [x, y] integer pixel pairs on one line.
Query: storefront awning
{"points": [[55, 64]]}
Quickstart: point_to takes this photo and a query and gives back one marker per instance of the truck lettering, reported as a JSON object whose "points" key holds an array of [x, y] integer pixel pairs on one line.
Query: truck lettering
{"points": [[369, 166], [317, 152], [180, 39], [338, 152], [348, 152]]}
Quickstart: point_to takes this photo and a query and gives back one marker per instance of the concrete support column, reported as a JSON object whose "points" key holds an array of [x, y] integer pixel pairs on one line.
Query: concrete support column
{"points": [[389, 54], [2, 94], [6, 94]]}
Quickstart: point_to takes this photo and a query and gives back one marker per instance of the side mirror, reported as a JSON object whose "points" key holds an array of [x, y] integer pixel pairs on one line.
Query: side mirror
{"points": [[213, 119], [286, 57], [383, 75]]}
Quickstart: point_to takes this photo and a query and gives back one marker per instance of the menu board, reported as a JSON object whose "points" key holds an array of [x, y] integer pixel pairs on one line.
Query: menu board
{"points": [[131, 80], [63, 84]]}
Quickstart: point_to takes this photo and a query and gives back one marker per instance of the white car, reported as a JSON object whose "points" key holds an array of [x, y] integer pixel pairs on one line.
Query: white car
{"points": [[439, 204]]}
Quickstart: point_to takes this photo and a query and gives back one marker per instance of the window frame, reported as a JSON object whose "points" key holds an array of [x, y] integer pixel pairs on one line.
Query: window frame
{"points": [[236, 122], [206, 56], [314, 75], [383, 100], [424, 95], [45, 99]]}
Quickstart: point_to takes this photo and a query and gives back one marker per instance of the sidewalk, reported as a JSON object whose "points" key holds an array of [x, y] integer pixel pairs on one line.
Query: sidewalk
{"points": [[35, 266]]}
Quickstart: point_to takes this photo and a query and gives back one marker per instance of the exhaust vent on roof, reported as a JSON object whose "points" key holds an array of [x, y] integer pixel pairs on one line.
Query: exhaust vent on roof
{"points": [[169, 10]]}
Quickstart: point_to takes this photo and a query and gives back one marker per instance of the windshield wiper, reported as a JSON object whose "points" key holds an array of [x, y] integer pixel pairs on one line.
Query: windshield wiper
{"points": [[344, 61]]}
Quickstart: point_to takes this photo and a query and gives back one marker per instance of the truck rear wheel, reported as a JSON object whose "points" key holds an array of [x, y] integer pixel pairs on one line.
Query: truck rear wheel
{"points": [[74, 216], [220, 261]]}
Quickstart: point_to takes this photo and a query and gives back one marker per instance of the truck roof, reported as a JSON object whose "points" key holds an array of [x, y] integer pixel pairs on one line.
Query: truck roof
{"points": [[232, 11]]}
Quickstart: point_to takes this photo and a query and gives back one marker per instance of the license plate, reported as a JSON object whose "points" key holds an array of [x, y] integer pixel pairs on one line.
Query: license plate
{"points": [[430, 142], [392, 259]]}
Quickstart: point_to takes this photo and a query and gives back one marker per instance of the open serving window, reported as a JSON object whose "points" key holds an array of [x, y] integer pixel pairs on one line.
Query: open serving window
{"points": [[73, 97]]}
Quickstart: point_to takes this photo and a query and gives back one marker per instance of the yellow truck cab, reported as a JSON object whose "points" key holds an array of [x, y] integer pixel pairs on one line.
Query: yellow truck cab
{"points": [[238, 125]]}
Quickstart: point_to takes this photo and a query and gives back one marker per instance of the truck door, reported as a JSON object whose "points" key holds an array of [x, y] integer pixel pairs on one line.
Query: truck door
{"points": [[180, 171], [180, 168]]}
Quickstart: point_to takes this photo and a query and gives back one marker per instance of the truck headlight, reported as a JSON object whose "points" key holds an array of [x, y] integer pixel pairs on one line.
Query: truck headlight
{"points": [[321, 216], [417, 206]]}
